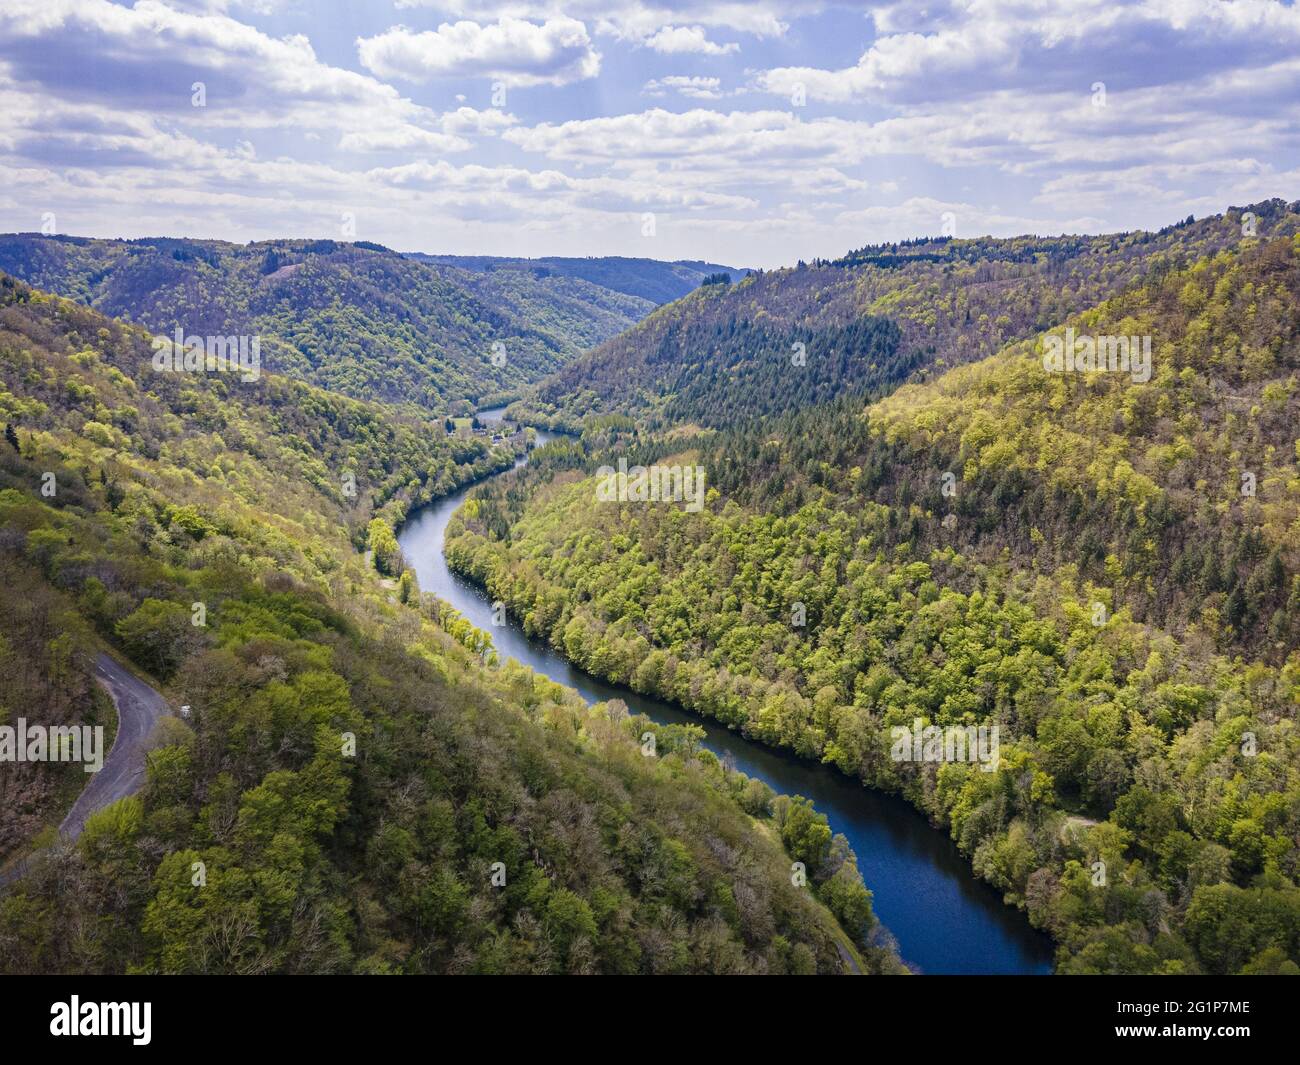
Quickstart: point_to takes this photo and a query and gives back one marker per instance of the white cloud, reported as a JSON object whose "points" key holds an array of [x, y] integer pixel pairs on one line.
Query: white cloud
{"points": [[675, 40], [554, 52], [697, 88], [1177, 189], [636, 20], [683, 139], [554, 189], [401, 139], [468, 120], [257, 7], [144, 60], [966, 47]]}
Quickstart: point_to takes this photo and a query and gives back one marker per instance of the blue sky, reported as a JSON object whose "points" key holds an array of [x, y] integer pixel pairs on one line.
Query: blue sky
{"points": [[752, 133]]}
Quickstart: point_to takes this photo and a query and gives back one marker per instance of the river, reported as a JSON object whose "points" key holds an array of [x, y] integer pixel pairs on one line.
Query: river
{"points": [[944, 919]]}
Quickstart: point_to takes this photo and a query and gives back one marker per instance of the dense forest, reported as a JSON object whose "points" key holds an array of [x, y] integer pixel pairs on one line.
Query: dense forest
{"points": [[912, 519], [360, 786], [1105, 569], [651, 280], [353, 318], [730, 352]]}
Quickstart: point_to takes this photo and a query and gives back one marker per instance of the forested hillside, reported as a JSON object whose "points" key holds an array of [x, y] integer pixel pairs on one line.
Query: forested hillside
{"points": [[360, 786], [238, 474], [350, 317], [651, 280], [866, 323], [577, 313], [1077, 558]]}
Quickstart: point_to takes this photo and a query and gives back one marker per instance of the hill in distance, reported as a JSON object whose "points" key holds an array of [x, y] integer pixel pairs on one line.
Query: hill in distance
{"points": [[864, 324], [647, 279], [354, 318]]}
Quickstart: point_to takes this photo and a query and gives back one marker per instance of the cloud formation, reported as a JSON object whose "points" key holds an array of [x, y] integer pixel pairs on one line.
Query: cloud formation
{"points": [[965, 47], [634, 20], [695, 87], [677, 40], [757, 132], [554, 52]]}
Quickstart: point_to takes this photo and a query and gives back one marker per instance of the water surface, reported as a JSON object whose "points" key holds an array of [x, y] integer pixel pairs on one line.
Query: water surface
{"points": [[924, 892]]}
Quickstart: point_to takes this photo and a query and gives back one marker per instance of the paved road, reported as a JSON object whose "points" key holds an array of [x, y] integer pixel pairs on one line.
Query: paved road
{"points": [[138, 708]]}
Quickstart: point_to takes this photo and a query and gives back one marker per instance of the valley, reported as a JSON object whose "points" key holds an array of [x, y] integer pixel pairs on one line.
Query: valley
{"points": [[902, 545], [1086, 581], [558, 488], [358, 318], [922, 890], [778, 540], [360, 785]]}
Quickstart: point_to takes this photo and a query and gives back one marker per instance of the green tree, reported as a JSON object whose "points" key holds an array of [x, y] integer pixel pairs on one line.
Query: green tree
{"points": [[383, 543], [406, 587], [157, 635], [805, 832]]}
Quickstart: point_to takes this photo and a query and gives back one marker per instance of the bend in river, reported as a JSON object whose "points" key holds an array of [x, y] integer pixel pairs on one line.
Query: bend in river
{"points": [[945, 920]]}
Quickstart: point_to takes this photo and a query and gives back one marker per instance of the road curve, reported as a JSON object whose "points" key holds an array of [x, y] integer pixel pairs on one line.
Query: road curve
{"points": [[138, 709]]}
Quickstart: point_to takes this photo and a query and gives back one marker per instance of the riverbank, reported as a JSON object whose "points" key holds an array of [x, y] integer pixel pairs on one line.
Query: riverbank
{"points": [[944, 919]]}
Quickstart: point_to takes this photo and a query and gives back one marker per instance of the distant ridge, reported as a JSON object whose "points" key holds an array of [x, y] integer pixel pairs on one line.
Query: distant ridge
{"points": [[353, 316], [649, 279]]}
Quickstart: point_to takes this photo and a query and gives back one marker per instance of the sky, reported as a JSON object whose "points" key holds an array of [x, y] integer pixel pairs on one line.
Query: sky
{"points": [[749, 133]]}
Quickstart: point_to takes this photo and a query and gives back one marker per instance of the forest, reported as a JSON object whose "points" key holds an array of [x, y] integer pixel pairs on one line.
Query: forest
{"points": [[361, 786], [910, 520], [1106, 570], [354, 318], [651, 280], [726, 353]]}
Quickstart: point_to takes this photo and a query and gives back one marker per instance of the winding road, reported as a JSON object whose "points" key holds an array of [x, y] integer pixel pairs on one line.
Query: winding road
{"points": [[138, 709]]}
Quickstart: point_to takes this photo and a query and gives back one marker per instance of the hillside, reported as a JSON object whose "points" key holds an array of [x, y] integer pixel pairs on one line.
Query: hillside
{"points": [[1068, 556], [866, 323], [578, 313], [350, 317], [360, 787], [644, 279], [208, 470]]}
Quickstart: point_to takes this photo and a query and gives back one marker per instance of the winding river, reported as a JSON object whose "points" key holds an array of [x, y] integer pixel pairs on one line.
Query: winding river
{"points": [[945, 921]]}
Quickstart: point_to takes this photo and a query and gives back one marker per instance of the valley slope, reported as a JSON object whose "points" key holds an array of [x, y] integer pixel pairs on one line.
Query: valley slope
{"points": [[361, 786], [353, 318], [865, 323], [1105, 569]]}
